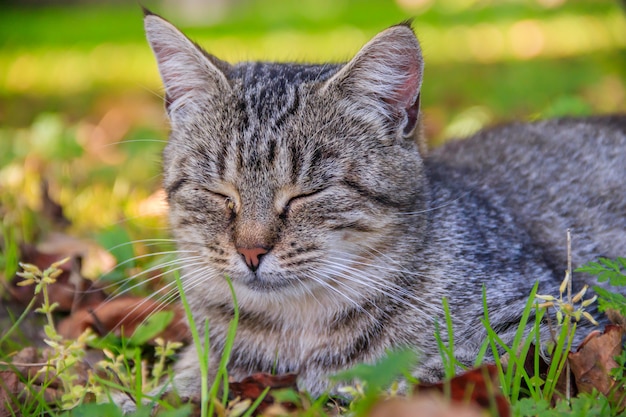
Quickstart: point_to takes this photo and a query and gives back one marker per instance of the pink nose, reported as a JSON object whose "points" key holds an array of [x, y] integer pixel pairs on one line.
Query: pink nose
{"points": [[252, 256]]}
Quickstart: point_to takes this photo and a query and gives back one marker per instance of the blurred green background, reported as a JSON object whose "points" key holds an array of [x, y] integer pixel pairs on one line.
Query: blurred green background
{"points": [[80, 96]]}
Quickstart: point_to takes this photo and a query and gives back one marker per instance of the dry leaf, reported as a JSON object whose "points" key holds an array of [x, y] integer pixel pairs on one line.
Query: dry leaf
{"points": [[10, 389], [478, 387], [561, 384], [123, 313], [253, 386], [431, 405], [592, 362], [24, 367]]}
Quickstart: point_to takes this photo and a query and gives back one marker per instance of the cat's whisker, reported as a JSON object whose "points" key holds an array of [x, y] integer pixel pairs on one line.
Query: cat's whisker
{"points": [[181, 262], [156, 294], [362, 274], [394, 292], [192, 271], [343, 285], [311, 293], [322, 279], [439, 207], [182, 242], [367, 263], [403, 269], [160, 307], [164, 299], [126, 290], [346, 273], [152, 91], [124, 141], [172, 294], [120, 285], [144, 256], [153, 240], [332, 297], [197, 277], [149, 255]]}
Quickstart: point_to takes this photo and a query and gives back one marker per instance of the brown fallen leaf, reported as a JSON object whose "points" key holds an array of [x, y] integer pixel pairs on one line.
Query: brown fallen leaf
{"points": [[24, 367], [243, 394], [10, 390], [251, 387], [123, 314], [431, 405], [592, 363], [560, 389], [478, 387]]}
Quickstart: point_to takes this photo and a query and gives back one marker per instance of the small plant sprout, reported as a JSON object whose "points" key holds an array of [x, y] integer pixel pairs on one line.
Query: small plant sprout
{"points": [[567, 308], [163, 351], [67, 355], [115, 366], [33, 275]]}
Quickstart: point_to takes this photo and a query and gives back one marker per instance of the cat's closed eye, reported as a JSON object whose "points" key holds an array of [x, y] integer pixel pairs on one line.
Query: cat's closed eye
{"points": [[297, 199], [218, 198]]}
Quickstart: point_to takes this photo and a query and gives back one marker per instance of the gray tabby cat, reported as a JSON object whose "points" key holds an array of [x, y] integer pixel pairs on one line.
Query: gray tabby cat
{"points": [[309, 186]]}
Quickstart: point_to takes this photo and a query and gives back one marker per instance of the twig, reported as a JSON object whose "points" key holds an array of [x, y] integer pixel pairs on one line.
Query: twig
{"points": [[37, 364]]}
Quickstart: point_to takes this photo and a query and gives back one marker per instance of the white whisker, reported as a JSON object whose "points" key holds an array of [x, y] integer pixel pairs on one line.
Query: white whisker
{"points": [[446, 204], [322, 280], [392, 291], [143, 272]]}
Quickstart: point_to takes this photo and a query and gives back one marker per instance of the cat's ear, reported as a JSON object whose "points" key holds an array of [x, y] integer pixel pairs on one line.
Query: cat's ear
{"points": [[188, 72], [386, 76]]}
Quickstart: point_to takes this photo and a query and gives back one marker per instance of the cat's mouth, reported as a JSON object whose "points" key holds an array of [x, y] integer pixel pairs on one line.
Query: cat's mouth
{"points": [[264, 282]]}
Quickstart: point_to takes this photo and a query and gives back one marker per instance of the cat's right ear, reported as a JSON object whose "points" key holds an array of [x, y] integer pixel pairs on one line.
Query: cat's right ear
{"points": [[385, 78], [188, 72]]}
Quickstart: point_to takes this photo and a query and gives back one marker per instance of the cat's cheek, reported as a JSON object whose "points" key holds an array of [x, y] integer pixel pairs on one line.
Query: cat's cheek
{"points": [[351, 236]]}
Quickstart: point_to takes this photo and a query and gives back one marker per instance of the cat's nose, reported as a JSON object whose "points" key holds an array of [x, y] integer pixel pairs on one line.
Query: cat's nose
{"points": [[252, 256]]}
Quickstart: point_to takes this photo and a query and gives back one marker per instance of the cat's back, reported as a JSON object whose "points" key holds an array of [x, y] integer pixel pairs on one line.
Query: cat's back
{"points": [[524, 146], [550, 176]]}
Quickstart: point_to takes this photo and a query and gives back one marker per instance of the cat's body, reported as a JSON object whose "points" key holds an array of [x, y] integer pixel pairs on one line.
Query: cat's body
{"points": [[305, 185]]}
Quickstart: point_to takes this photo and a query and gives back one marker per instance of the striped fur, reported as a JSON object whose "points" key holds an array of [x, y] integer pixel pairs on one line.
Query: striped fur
{"points": [[319, 165]]}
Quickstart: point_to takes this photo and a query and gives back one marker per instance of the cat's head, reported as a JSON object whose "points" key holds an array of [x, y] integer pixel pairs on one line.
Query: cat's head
{"points": [[290, 178]]}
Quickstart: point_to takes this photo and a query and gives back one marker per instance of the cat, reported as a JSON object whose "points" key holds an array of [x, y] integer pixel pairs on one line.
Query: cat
{"points": [[311, 188]]}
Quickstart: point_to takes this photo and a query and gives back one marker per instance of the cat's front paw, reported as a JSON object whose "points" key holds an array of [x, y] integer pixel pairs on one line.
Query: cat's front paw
{"points": [[128, 403], [125, 402]]}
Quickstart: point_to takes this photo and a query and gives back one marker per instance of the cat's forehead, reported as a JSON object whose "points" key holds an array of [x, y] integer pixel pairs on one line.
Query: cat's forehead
{"points": [[279, 78], [267, 96]]}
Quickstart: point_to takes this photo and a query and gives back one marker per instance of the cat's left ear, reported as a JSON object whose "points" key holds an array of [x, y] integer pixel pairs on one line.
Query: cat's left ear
{"points": [[189, 74], [386, 77]]}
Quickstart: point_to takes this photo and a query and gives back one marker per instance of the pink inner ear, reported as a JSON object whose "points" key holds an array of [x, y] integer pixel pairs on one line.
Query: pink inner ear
{"points": [[411, 114], [404, 94]]}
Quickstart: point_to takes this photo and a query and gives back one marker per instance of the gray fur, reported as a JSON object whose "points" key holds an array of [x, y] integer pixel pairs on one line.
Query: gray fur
{"points": [[321, 165]]}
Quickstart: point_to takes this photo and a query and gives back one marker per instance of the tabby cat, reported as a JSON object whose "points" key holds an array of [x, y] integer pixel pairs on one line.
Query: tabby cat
{"points": [[310, 187]]}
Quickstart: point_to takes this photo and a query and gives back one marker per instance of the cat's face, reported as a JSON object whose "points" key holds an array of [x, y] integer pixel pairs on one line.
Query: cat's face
{"points": [[290, 179]]}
